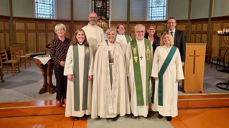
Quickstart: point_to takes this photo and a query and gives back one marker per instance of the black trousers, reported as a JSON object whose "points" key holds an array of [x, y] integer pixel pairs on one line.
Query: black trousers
{"points": [[61, 82]]}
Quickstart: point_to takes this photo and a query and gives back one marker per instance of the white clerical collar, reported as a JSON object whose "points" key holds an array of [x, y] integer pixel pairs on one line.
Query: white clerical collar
{"points": [[140, 40], [80, 43]]}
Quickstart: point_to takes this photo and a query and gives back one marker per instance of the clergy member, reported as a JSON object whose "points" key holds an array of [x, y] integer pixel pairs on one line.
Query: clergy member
{"points": [[110, 96], [94, 34], [78, 69], [139, 67], [167, 72], [122, 38]]}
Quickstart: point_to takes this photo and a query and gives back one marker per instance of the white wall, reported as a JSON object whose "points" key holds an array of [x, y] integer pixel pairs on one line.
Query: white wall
{"points": [[23, 8], [119, 10], [81, 9], [221, 8], [4, 7], [138, 10], [178, 9], [63, 10], [200, 9]]}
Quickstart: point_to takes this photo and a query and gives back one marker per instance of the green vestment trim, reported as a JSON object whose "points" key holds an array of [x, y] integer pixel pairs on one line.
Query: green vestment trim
{"points": [[161, 73], [137, 71], [76, 77], [110, 67], [128, 38]]}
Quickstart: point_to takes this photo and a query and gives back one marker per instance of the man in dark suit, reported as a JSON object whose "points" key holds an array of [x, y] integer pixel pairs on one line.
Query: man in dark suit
{"points": [[179, 38]]}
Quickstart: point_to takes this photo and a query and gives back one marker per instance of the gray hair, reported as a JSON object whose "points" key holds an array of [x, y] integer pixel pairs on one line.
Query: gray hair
{"points": [[59, 27], [139, 26], [110, 30]]}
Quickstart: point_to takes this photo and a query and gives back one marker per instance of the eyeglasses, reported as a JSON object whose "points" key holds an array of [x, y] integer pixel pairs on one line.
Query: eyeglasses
{"points": [[140, 31], [171, 22]]}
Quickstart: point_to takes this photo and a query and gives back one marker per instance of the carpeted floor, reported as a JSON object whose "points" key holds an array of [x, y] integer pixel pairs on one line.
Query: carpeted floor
{"points": [[24, 86], [127, 122]]}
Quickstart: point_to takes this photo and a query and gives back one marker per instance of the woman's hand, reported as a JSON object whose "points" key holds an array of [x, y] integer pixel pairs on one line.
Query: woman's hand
{"points": [[90, 77], [62, 63], [70, 77], [155, 78]]}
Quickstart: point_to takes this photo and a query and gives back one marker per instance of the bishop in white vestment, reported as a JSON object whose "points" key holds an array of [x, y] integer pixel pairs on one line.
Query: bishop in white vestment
{"points": [[110, 95]]}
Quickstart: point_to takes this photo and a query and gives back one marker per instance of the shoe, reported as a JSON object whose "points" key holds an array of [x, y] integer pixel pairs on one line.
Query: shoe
{"points": [[115, 119], [134, 117], [58, 103], [169, 118], [64, 101], [85, 117], [128, 115], [160, 116], [150, 114], [76, 118]]}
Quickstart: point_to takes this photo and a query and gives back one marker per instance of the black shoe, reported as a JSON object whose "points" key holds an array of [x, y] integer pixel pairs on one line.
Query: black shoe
{"points": [[160, 116], [76, 118], [85, 117], [115, 119], [128, 115], [150, 114], [169, 118]]}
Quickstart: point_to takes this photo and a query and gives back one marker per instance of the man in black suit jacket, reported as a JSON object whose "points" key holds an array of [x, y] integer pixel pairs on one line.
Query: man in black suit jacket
{"points": [[179, 38]]}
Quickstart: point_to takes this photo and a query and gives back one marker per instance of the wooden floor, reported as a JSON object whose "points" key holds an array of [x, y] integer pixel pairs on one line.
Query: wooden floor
{"points": [[195, 111]]}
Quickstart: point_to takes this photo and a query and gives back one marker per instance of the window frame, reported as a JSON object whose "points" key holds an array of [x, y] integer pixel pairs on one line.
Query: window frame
{"points": [[51, 16], [149, 16]]}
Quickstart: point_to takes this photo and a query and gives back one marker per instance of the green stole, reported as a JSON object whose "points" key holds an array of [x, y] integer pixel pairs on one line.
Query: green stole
{"points": [[160, 76], [128, 39], [137, 71], [76, 77], [111, 60]]}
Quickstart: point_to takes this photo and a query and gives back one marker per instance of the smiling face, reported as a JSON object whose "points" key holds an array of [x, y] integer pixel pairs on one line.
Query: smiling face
{"points": [[111, 36], [80, 36], [151, 30], [166, 40], [140, 32], [60, 33], [121, 29], [171, 24], [92, 18]]}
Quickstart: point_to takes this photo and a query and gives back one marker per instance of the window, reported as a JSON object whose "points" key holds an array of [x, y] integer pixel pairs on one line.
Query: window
{"points": [[45, 8], [157, 9]]}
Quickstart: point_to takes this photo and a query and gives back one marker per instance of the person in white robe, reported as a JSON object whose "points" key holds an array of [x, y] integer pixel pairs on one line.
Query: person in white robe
{"points": [[122, 38], [78, 69], [110, 98], [94, 33], [138, 56], [167, 72]]}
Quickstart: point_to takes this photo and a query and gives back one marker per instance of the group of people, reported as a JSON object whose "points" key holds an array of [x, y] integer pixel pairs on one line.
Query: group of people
{"points": [[118, 76]]}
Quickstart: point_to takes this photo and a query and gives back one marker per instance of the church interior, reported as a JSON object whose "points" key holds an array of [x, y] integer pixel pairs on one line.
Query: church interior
{"points": [[203, 100]]}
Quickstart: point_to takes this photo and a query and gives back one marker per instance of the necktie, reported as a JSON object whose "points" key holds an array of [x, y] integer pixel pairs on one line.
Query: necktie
{"points": [[171, 33]]}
